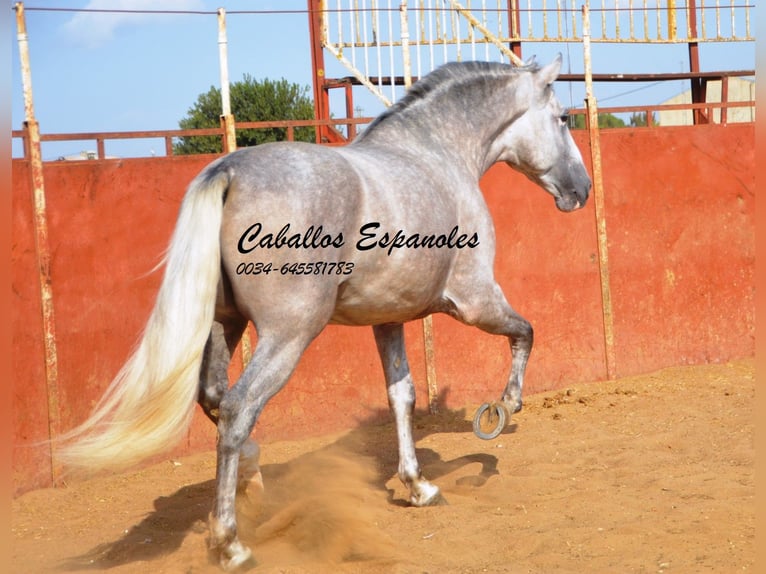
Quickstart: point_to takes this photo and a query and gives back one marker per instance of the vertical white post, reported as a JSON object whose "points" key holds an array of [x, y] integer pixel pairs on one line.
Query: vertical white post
{"points": [[227, 119], [405, 33]]}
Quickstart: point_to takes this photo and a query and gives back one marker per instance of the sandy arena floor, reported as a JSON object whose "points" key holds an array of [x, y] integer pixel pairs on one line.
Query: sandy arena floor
{"points": [[653, 473]]}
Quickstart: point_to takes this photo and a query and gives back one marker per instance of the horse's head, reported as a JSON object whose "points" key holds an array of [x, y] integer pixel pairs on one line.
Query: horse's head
{"points": [[538, 143]]}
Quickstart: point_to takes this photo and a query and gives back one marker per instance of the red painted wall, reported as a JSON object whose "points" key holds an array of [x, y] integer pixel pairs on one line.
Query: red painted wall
{"points": [[680, 224]]}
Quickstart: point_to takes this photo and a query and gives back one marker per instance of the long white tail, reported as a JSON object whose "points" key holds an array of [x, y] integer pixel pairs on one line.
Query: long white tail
{"points": [[150, 403]]}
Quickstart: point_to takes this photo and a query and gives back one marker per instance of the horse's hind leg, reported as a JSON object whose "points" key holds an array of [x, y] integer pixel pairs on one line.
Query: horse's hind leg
{"points": [[214, 382], [214, 377], [272, 364], [401, 398]]}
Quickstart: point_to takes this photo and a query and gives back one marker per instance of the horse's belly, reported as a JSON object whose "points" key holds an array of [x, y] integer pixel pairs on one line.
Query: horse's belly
{"points": [[390, 296], [376, 314]]}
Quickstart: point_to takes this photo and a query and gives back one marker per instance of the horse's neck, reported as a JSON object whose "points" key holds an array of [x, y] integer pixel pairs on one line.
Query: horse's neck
{"points": [[459, 132], [439, 140]]}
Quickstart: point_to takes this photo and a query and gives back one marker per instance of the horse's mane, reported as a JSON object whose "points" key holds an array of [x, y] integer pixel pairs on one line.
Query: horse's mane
{"points": [[445, 78]]}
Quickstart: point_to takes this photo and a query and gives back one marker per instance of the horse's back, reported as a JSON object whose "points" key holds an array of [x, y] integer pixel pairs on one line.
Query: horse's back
{"points": [[292, 168], [297, 183]]}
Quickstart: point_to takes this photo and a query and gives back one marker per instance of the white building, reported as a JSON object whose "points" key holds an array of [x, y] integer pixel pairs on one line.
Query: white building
{"points": [[740, 90], [83, 155]]}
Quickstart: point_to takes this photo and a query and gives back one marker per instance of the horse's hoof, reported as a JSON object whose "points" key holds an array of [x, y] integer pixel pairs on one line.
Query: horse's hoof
{"points": [[237, 558], [428, 495], [495, 414], [226, 549]]}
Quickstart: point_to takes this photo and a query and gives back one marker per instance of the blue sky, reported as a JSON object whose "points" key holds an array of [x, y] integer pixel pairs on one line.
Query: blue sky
{"points": [[126, 72]]}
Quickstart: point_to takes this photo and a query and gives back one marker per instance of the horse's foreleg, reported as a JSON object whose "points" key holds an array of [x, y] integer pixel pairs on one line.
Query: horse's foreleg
{"points": [[401, 398], [270, 368], [521, 338], [214, 382], [493, 314]]}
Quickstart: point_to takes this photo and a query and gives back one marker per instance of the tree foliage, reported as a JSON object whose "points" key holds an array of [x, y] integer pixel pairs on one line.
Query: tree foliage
{"points": [[577, 121], [639, 119], [251, 101]]}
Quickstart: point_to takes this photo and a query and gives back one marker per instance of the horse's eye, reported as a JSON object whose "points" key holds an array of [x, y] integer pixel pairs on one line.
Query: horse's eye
{"points": [[564, 118]]}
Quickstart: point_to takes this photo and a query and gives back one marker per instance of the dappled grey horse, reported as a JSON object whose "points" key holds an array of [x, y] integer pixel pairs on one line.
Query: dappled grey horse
{"points": [[291, 236]]}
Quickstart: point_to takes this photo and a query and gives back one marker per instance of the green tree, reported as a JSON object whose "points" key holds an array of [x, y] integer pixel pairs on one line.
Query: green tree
{"points": [[251, 101], [639, 119], [577, 122], [610, 121]]}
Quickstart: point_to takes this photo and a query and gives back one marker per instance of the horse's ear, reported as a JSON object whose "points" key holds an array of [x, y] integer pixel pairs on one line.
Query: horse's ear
{"points": [[549, 73]]}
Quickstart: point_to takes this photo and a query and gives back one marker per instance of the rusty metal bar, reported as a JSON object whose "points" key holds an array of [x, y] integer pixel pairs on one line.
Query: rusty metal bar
{"points": [[228, 138], [672, 20], [514, 26], [598, 199], [347, 83], [317, 32], [42, 247], [568, 77], [428, 345], [302, 123], [350, 127], [667, 107], [620, 21], [168, 135], [133, 134], [698, 95]]}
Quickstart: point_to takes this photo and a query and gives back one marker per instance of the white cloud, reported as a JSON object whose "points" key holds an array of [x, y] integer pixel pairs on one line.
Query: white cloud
{"points": [[93, 29]]}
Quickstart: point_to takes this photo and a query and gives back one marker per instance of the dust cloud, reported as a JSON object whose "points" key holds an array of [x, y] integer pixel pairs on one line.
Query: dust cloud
{"points": [[320, 509]]}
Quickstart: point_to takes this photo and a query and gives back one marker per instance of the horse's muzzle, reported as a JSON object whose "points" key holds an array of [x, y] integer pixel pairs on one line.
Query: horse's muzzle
{"points": [[571, 187], [581, 186], [573, 199]]}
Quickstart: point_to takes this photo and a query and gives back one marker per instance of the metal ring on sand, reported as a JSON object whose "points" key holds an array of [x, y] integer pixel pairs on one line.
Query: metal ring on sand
{"points": [[491, 409]]}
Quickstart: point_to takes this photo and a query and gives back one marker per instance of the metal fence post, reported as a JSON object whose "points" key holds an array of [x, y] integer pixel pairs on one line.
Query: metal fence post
{"points": [[598, 199], [42, 246]]}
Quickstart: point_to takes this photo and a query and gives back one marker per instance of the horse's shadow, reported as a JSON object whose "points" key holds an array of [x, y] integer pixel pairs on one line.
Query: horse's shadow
{"points": [[174, 517], [159, 533]]}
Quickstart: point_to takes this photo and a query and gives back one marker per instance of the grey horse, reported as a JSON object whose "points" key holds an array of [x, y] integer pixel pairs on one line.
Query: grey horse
{"points": [[390, 228]]}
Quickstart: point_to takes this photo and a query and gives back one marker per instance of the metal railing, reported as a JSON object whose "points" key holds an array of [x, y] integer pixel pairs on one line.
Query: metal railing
{"points": [[349, 126], [377, 39], [379, 24]]}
